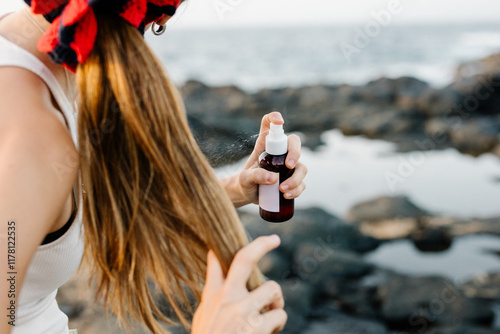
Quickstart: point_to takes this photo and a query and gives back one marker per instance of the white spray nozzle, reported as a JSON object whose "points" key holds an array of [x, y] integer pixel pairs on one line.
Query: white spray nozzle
{"points": [[276, 140], [276, 130]]}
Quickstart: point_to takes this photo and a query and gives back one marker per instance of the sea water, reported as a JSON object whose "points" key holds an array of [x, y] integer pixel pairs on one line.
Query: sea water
{"points": [[266, 57]]}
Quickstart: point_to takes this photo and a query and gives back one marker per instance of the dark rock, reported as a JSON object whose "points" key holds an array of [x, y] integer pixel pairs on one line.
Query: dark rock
{"points": [[328, 270], [424, 301], [405, 111], [427, 239], [468, 71], [485, 286], [323, 309], [386, 123], [359, 301], [485, 132], [275, 265], [201, 99], [437, 130], [311, 140], [308, 109], [383, 208], [339, 323], [313, 225], [298, 302], [390, 229], [394, 91], [298, 296], [463, 330], [443, 101], [479, 82], [460, 226], [296, 323], [390, 218], [360, 297], [317, 263]]}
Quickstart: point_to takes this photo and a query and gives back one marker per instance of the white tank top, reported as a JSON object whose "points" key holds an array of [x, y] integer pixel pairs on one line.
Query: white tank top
{"points": [[53, 263]]}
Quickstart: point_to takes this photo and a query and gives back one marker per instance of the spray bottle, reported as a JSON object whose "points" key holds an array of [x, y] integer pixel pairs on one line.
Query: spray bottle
{"points": [[273, 206]]}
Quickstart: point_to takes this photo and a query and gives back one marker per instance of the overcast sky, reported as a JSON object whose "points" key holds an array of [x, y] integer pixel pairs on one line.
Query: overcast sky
{"points": [[299, 12]]}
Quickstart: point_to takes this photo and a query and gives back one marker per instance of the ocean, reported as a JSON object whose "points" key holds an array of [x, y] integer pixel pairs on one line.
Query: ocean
{"points": [[347, 170], [255, 58]]}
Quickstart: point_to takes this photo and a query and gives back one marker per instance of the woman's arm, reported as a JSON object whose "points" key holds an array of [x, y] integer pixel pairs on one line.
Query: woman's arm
{"points": [[32, 191]]}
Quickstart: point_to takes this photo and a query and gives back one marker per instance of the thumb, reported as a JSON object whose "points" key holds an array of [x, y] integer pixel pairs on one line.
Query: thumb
{"points": [[215, 276], [250, 177]]}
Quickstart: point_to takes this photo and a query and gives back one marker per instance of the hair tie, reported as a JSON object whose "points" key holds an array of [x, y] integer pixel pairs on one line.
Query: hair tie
{"points": [[73, 26]]}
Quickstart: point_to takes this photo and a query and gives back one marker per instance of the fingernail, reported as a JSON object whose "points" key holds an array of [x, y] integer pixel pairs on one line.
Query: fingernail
{"points": [[287, 195], [285, 187], [291, 163], [275, 238], [270, 177]]}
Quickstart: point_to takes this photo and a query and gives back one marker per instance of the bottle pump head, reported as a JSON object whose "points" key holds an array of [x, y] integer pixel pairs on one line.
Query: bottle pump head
{"points": [[276, 140]]}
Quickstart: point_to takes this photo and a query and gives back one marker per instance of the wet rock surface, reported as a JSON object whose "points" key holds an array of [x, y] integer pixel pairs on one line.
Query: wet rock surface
{"points": [[464, 115], [328, 285], [462, 330], [429, 300], [485, 286], [389, 218], [384, 208]]}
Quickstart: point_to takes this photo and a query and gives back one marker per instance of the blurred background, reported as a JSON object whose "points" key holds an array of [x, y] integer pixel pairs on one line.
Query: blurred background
{"points": [[398, 107]]}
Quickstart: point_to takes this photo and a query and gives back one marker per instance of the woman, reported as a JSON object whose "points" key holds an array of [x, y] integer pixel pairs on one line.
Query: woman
{"points": [[151, 207]]}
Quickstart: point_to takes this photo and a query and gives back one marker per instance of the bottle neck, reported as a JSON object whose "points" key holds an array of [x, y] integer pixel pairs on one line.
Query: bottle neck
{"points": [[276, 147]]}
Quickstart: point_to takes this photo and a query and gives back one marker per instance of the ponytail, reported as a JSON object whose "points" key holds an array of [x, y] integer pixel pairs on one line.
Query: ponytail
{"points": [[153, 206]]}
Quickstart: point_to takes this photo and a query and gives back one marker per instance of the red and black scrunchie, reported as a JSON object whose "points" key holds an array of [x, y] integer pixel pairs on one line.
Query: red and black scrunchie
{"points": [[70, 38]]}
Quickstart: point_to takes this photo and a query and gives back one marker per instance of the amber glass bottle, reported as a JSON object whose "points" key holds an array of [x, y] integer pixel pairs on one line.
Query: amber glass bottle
{"points": [[274, 207]]}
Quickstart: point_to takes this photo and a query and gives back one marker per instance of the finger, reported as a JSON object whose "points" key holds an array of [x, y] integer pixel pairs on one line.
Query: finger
{"points": [[293, 181], [246, 259], [294, 193], [268, 293], [273, 117], [274, 321], [294, 146], [215, 277], [249, 178], [260, 145]]}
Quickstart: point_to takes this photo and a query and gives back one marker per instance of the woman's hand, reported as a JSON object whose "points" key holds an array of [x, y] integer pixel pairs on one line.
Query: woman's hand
{"points": [[243, 187], [226, 304]]}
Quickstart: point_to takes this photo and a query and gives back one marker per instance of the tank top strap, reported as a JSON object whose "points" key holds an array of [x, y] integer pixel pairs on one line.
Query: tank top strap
{"points": [[12, 54]]}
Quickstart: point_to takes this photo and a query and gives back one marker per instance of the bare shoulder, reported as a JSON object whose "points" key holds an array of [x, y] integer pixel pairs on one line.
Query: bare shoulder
{"points": [[27, 114], [30, 130], [38, 159]]}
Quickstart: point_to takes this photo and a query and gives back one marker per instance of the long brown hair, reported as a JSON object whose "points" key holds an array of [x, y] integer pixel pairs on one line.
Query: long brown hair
{"points": [[153, 205]]}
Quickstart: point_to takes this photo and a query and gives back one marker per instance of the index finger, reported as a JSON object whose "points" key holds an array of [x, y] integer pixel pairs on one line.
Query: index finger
{"points": [[214, 277], [247, 257], [273, 117]]}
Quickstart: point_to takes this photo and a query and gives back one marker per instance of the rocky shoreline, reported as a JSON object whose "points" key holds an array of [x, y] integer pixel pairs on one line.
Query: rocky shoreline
{"points": [[464, 115], [329, 286], [333, 289]]}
